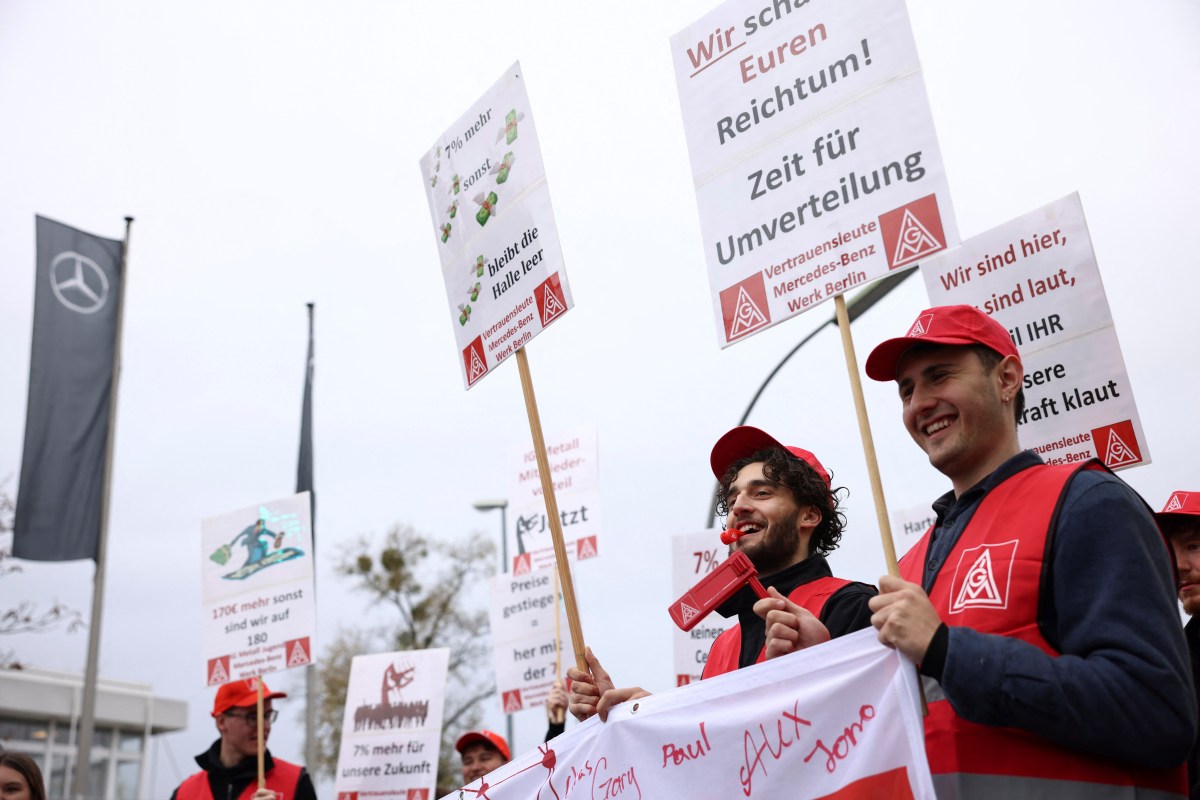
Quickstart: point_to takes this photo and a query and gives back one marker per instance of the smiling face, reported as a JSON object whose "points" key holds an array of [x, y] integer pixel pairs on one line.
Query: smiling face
{"points": [[958, 411], [777, 529], [478, 759], [1185, 539]]}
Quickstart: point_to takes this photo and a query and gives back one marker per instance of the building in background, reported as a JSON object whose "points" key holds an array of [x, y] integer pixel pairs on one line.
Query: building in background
{"points": [[39, 715]]}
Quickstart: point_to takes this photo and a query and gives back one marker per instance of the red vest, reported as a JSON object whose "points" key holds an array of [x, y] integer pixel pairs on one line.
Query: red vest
{"points": [[726, 648], [991, 582], [283, 777]]}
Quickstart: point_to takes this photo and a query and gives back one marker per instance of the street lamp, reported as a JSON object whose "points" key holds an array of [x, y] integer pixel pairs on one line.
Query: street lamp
{"points": [[484, 506], [855, 307]]}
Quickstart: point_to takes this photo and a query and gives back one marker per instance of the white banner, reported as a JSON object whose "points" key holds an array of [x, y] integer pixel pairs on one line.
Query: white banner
{"points": [[522, 616], [1037, 275], [841, 720], [575, 469], [495, 230], [391, 731], [694, 555], [257, 585], [814, 155]]}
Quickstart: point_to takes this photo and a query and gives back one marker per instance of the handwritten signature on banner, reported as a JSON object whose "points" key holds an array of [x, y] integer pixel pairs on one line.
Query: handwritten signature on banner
{"points": [[841, 720]]}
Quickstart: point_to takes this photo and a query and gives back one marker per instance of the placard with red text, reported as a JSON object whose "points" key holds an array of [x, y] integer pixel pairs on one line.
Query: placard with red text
{"points": [[814, 156], [1038, 276], [494, 228], [694, 555], [257, 585]]}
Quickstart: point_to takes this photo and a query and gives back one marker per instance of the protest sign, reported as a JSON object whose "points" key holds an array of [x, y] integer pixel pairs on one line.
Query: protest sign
{"points": [[1037, 275], [575, 473], [911, 523], [841, 720], [524, 629], [259, 611], [814, 156], [694, 555], [495, 231], [392, 727]]}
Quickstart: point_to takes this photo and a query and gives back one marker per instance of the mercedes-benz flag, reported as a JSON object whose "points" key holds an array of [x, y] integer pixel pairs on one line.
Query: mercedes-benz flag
{"points": [[75, 309]]}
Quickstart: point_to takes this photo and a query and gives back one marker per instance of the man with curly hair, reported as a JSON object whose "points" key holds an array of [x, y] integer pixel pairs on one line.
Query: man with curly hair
{"points": [[782, 504]]}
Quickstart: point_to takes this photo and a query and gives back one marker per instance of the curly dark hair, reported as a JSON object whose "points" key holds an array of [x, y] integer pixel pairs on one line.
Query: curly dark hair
{"points": [[807, 487]]}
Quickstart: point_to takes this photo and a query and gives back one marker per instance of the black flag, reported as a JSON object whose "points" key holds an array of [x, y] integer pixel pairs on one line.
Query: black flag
{"points": [[304, 469], [75, 310]]}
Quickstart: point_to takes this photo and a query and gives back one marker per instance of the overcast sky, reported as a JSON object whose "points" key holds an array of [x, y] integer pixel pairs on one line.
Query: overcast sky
{"points": [[269, 154]]}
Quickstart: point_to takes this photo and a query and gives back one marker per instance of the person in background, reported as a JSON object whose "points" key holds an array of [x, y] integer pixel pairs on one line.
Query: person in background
{"points": [[1180, 523], [20, 778], [229, 768]]}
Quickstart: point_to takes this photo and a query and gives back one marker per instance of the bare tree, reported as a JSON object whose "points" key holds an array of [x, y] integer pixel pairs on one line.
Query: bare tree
{"points": [[428, 583], [25, 617]]}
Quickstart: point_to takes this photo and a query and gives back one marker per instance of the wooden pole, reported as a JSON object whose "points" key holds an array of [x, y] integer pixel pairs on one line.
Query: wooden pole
{"points": [[868, 443], [262, 775], [558, 715], [556, 534]]}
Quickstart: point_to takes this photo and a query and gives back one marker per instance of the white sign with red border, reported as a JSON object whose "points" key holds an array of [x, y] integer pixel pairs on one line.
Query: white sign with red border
{"points": [[522, 616], [575, 469], [257, 585], [392, 726], [1037, 275], [814, 155], [494, 228], [694, 555]]}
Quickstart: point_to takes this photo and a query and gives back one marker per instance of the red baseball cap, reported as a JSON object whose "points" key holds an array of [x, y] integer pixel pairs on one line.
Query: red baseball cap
{"points": [[745, 441], [954, 325], [490, 738], [1181, 504], [241, 693]]}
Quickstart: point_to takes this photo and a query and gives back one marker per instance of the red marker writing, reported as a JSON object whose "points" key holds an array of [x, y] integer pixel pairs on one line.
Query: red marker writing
{"points": [[715, 588]]}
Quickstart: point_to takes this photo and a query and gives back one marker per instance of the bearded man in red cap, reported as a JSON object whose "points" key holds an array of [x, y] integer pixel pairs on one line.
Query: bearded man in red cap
{"points": [[1180, 522], [785, 516], [229, 769], [1040, 606]]}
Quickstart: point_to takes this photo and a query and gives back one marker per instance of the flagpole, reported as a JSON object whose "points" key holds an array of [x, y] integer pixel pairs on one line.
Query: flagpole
{"points": [[310, 672], [83, 750]]}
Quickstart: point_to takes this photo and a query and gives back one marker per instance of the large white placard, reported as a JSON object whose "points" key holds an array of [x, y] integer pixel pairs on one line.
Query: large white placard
{"points": [[694, 555], [1037, 275], [575, 470], [392, 728], [841, 720], [522, 615], [257, 584], [813, 151], [495, 231]]}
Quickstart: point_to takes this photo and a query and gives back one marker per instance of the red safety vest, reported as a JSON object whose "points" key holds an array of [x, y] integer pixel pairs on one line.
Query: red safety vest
{"points": [[726, 648], [991, 583], [283, 778]]}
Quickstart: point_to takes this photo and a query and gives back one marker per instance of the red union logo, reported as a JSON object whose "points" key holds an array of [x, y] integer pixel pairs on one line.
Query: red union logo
{"points": [[549, 299], [982, 576], [683, 680], [1117, 445], [474, 360], [912, 231], [744, 307]]}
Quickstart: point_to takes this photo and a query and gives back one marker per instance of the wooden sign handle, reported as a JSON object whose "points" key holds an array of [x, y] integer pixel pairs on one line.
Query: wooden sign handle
{"points": [[556, 534]]}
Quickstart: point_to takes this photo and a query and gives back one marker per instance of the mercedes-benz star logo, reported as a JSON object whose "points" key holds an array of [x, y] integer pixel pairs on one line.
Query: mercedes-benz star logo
{"points": [[78, 282]]}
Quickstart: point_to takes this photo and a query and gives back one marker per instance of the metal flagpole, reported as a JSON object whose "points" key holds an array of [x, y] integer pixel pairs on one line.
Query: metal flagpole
{"points": [[83, 752], [310, 672]]}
